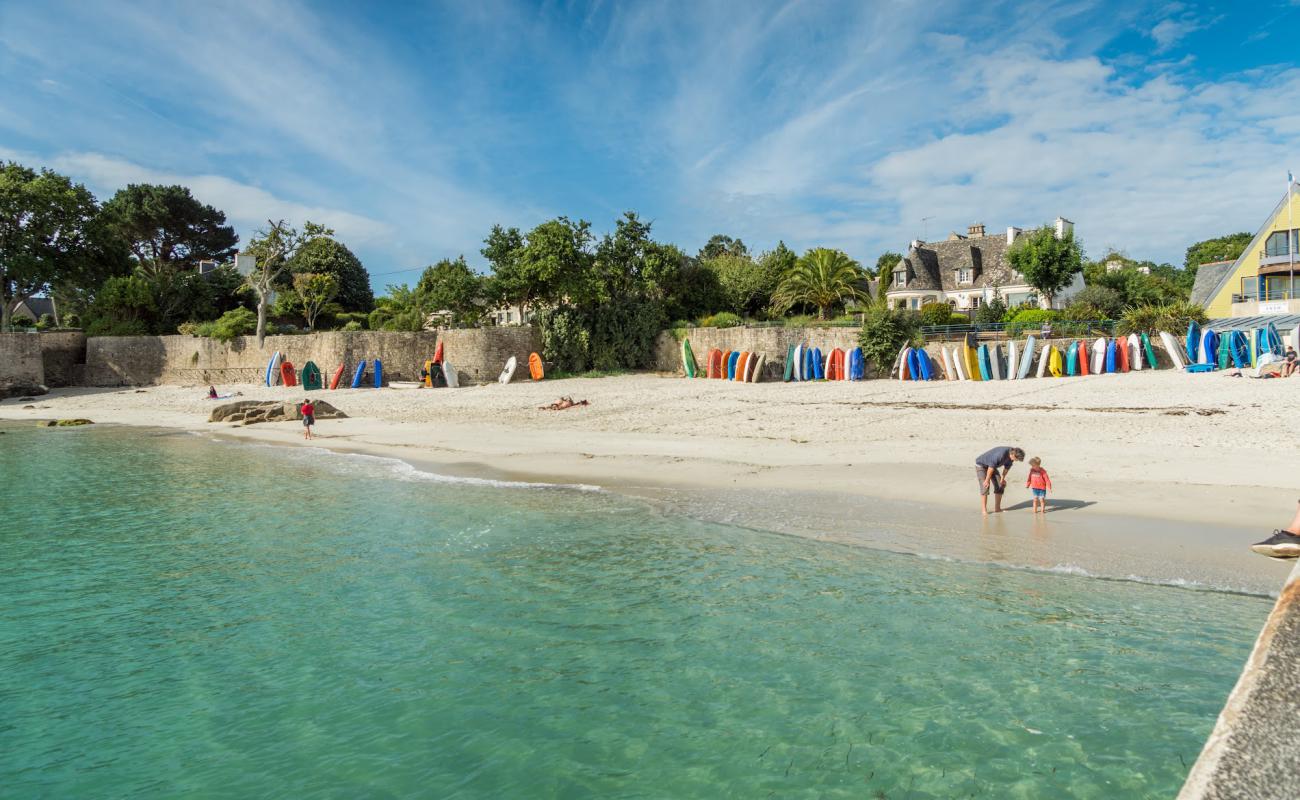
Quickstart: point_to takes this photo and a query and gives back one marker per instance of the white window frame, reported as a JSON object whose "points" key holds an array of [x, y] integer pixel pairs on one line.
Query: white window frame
{"points": [[900, 278], [966, 275]]}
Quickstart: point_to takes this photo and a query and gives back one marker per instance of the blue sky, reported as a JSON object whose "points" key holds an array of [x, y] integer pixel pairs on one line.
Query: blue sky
{"points": [[412, 128]]}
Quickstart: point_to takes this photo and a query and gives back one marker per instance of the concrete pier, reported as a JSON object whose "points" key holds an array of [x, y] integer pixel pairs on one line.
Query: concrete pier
{"points": [[1253, 752]]}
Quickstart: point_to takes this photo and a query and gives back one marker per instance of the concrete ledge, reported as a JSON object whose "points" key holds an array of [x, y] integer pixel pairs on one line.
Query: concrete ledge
{"points": [[1253, 753]]}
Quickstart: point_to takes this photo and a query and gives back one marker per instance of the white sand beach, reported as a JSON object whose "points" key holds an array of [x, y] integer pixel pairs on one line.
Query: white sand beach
{"points": [[1158, 475]]}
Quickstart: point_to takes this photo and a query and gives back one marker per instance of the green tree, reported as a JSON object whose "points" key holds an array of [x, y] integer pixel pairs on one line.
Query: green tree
{"points": [[46, 223], [1097, 302], [273, 248], [1222, 248], [555, 264], [886, 262], [722, 245], [628, 263], [124, 306], [884, 332], [1047, 263], [936, 314], [315, 289], [166, 229], [451, 286], [822, 278], [325, 255]]}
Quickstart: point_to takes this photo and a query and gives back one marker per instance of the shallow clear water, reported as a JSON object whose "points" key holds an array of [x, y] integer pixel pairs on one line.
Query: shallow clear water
{"points": [[181, 617]]}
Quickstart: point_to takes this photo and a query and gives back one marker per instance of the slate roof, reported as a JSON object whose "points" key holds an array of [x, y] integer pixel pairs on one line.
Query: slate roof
{"points": [[1283, 322], [36, 306], [934, 265], [1208, 278]]}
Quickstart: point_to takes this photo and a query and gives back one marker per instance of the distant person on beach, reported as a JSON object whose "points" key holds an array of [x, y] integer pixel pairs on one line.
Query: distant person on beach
{"points": [[986, 472], [308, 417], [212, 393], [1039, 481], [1284, 543], [1289, 363]]}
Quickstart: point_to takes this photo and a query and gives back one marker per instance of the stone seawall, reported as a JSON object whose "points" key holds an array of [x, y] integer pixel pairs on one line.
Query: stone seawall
{"points": [[20, 358], [477, 354], [61, 353]]}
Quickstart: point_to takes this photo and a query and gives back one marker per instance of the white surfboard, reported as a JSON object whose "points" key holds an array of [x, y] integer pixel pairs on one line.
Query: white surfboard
{"points": [[1027, 358], [898, 364], [1013, 360], [1134, 352], [1098, 357], [959, 364], [757, 372], [948, 372], [1043, 353], [508, 372], [1295, 338], [1174, 349], [273, 370], [798, 362], [449, 372]]}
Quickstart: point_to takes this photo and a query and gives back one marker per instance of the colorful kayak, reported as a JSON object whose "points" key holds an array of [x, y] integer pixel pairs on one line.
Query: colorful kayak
{"points": [[1150, 351], [1027, 358], [789, 364], [1083, 357], [986, 369], [311, 377], [273, 370], [1193, 342], [688, 359], [1072, 359], [358, 375], [1054, 363], [379, 374]]}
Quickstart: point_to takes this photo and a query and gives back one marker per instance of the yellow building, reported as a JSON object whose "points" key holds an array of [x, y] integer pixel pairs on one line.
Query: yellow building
{"points": [[1266, 278]]}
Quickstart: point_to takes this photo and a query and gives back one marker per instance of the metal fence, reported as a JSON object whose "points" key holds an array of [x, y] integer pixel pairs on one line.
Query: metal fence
{"points": [[1009, 330]]}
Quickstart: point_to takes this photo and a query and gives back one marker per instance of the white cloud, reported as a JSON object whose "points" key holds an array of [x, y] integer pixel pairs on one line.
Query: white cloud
{"points": [[1168, 32]]}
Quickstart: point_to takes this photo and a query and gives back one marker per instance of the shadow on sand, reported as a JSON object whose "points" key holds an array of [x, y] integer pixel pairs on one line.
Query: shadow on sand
{"points": [[1053, 505]]}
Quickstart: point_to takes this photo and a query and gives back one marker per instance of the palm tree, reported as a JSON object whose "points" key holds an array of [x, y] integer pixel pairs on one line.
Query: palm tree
{"points": [[822, 278]]}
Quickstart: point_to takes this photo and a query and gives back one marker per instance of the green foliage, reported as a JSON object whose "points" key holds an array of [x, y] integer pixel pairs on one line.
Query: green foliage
{"points": [[886, 262], [884, 332], [343, 319], [722, 245], [45, 322], [623, 336], [1047, 263], [111, 327], [992, 311], [1159, 284], [352, 325], [937, 314], [315, 290], [722, 319], [821, 278], [1151, 319], [237, 322], [273, 249], [409, 320], [566, 339], [23, 322], [451, 286], [746, 286], [123, 303], [325, 255], [1223, 248], [1029, 319], [166, 229], [1105, 302], [48, 235]]}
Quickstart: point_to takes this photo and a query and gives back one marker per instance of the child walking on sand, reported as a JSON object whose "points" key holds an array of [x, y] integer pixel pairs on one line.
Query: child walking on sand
{"points": [[1040, 482], [308, 409]]}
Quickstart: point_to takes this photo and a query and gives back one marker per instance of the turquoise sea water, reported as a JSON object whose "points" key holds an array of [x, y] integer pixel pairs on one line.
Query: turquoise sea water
{"points": [[182, 617]]}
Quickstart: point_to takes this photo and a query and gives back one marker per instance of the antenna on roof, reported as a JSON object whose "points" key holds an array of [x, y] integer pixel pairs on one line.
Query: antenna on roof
{"points": [[925, 228]]}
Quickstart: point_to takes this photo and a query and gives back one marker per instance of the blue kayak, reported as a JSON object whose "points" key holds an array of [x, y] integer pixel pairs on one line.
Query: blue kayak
{"points": [[358, 375], [1110, 356], [731, 365], [1072, 359], [819, 366], [986, 372], [379, 374], [1193, 341]]}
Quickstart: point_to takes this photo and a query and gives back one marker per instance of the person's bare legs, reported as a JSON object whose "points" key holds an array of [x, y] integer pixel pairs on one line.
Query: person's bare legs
{"points": [[984, 504]]}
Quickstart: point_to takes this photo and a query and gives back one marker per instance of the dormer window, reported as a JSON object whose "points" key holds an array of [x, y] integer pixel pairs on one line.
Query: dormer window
{"points": [[965, 276], [900, 278]]}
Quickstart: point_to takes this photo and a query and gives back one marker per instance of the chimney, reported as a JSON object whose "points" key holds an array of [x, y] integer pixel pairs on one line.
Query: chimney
{"points": [[916, 244], [1012, 233], [1063, 226], [975, 230]]}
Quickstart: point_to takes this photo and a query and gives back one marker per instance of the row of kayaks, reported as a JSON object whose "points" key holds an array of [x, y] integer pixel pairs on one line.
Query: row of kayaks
{"points": [[1208, 350], [1016, 361], [807, 363], [741, 366], [280, 372]]}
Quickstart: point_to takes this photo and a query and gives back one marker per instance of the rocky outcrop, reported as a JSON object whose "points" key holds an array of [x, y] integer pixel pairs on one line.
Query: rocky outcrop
{"points": [[20, 388], [251, 412], [65, 423]]}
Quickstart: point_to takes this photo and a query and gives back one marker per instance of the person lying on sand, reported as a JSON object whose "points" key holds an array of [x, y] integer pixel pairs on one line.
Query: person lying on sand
{"points": [[563, 403]]}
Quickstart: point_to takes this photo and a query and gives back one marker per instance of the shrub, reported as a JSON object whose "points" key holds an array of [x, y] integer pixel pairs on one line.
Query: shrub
{"points": [[349, 317], [71, 321], [1029, 319], [722, 319], [21, 322], [566, 342], [623, 336], [1150, 319], [992, 311], [188, 329], [46, 321], [936, 314], [237, 322], [1107, 302], [798, 321], [352, 325], [884, 332], [411, 320], [110, 327]]}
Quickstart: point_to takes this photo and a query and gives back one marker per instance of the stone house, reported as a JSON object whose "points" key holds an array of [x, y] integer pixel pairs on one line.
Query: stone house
{"points": [[967, 271]]}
